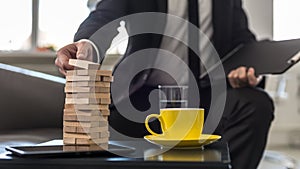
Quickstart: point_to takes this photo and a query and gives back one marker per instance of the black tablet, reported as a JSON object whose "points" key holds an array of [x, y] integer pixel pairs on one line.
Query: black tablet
{"points": [[62, 150]]}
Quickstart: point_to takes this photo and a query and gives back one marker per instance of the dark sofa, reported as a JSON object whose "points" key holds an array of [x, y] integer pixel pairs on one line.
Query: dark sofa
{"points": [[31, 106]]}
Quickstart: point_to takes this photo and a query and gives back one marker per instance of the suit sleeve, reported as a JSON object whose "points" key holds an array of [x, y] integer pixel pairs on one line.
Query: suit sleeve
{"points": [[241, 33], [95, 26]]}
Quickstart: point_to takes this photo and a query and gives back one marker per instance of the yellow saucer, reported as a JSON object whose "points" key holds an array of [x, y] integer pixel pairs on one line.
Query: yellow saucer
{"points": [[164, 141]]}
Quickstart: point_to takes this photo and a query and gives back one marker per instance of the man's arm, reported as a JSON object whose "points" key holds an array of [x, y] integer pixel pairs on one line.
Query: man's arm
{"points": [[241, 76], [95, 27], [105, 12], [240, 32]]}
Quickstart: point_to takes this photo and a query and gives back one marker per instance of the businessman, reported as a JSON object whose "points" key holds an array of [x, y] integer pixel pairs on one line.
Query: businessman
{"points": [[248, 110]]}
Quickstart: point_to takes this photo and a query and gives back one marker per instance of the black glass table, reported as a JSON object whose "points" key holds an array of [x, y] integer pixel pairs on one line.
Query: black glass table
{"points": [[146, 156]]}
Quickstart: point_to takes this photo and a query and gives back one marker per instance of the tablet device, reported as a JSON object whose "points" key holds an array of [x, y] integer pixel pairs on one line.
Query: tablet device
{"points": [[63, 150], [267, 57]]}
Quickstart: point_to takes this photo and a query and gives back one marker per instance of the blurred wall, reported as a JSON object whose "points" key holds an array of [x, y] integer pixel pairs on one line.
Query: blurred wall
{"points": [[260, 14], [285, 88]]}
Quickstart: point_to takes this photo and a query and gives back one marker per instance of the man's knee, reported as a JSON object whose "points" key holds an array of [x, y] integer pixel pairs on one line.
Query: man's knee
{"points": [[259, 102]]}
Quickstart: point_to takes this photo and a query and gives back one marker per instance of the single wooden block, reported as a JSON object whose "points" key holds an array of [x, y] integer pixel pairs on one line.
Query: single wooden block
{"points": [[93, 147], [76, 135], [107, 78], [88, 95], [104, 134], [105, 101], [87, 89], [72, 111], [84, 118], [92, 129], [83, 78], [82, 101], [87, 84], [71, 129], [89, 72], [103, 145], [87, 107], [69, 140], [82, 141], [83, 64], [85, 124]]}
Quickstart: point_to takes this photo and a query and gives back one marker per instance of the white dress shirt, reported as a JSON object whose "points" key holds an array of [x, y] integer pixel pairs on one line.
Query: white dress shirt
{"points": [[179, 8]]}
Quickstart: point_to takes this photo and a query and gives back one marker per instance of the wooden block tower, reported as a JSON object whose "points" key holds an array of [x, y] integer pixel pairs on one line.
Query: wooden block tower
{"points": [[86, 110]]}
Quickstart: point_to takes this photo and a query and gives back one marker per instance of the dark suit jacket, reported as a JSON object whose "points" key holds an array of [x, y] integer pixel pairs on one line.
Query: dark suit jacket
{"points": [[229, 24]]}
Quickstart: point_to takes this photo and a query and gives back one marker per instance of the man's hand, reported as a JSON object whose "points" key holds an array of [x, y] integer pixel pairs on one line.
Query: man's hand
{"points": [[242, 77], [79, 50]]}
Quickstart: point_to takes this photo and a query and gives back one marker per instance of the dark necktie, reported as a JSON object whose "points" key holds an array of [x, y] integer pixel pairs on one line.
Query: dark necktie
{"points": [[194, 61], [193, 38]]}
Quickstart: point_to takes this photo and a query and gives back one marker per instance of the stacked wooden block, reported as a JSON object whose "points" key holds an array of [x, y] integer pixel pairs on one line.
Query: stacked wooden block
{"points": [[86, 106]]}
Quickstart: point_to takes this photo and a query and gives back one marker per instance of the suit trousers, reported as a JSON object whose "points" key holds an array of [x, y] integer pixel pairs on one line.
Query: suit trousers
{"points": [[244, 124]]}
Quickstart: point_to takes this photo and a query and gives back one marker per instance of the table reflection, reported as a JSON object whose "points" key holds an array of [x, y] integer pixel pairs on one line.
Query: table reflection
{"points": [[196, 155]]}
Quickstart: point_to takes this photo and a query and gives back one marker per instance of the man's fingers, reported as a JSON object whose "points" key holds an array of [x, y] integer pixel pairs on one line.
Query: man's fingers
{"points": [[63, 63], [77, 50], [63, 56], [84, 51], [252, 79], [62, 71], [242, 75], [60, 66], [229, 76], [232, 79], [68, 51], [57, 62]]}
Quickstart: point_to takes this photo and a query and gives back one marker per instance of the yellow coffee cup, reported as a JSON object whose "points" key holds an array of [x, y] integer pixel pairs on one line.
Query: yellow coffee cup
{"points": [[179, 123]]}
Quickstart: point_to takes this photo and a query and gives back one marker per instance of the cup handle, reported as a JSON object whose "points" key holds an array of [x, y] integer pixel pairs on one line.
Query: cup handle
{"points": [[147, 123]]}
